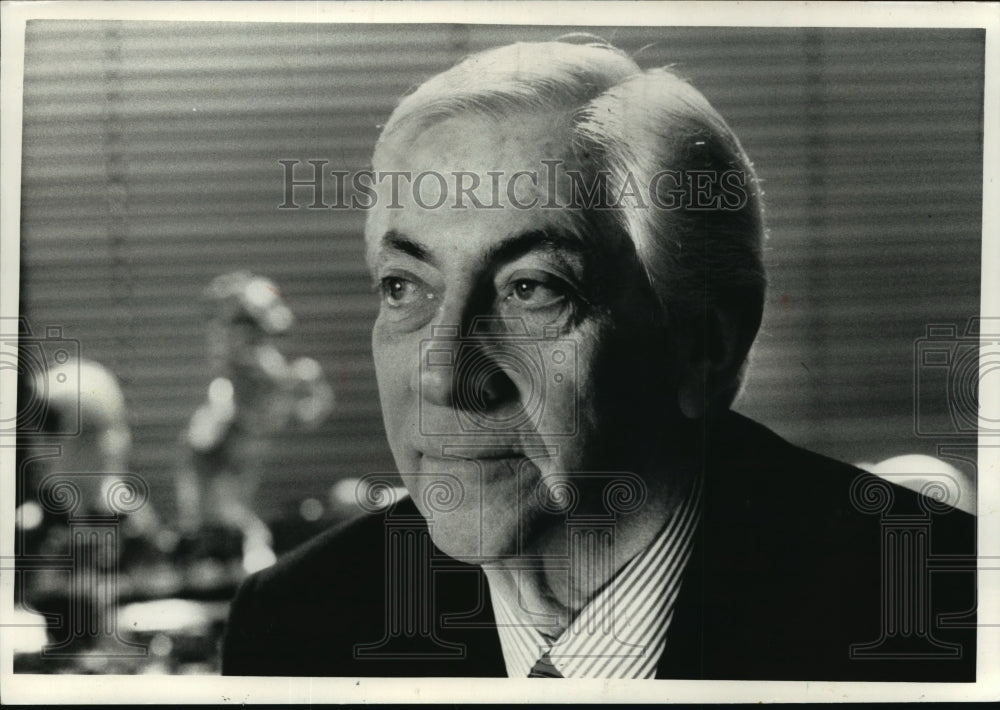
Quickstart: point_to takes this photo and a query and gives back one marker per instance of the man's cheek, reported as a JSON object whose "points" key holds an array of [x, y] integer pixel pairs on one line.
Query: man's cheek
{"points": [[393, 379], [569, 450]]}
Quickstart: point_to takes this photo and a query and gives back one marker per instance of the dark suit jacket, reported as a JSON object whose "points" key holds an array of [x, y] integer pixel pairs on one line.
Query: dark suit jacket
{"points": [[795, 575]]}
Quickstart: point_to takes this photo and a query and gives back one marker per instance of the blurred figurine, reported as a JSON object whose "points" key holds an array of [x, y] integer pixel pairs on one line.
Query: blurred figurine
{"points": [[255, 393], [67, 506], [85, 415], [917, 472]]}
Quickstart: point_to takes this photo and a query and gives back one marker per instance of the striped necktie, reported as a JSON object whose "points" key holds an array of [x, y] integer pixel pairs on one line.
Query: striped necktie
{"points": [[543, 668]]}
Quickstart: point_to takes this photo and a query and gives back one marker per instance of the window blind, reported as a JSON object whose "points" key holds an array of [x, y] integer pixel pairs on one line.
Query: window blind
{"points": [[150, 165]]}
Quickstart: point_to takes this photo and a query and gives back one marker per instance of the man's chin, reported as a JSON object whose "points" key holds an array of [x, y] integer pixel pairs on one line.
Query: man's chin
{"points": [[472, 507], [477, 533], [459, 545], [469, 537]]}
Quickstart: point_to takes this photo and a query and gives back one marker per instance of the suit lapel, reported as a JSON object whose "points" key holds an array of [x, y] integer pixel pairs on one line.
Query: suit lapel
{"points": [[711, 591], [465, 616], [682, 656]]}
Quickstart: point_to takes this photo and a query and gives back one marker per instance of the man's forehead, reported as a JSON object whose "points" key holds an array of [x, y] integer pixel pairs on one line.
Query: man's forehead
{"points": [[476, 142], [519, 164], [473, 233]]}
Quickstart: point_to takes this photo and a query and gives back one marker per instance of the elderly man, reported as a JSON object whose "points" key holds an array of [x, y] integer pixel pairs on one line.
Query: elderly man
{"points": [[568, 250]]}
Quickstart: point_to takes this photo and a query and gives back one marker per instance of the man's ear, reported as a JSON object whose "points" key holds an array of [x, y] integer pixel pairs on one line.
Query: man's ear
{"points": [[710, 354]]}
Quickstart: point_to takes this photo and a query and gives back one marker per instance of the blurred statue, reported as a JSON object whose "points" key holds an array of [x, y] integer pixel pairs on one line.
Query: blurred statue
{"points": [[85, 416], [255, 393], [918, 471], [70, 506]]}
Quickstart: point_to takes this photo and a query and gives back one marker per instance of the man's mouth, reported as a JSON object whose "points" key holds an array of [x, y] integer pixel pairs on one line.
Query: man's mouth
{"points": [[482, 447], [474, 453]]}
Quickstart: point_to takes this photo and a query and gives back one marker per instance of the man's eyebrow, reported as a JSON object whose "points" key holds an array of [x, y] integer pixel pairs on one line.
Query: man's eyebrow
{"points": [[507, 249], [549, 239], [400, 242]]}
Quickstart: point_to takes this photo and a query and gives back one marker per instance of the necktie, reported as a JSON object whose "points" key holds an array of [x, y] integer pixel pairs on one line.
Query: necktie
{"points": [[543, 668]]}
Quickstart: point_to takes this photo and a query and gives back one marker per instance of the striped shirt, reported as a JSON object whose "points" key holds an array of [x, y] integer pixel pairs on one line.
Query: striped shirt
{"points": [[622, 631]]}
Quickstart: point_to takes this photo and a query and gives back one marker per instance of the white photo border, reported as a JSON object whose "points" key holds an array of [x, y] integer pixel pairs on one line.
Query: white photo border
{"points": [[32, 689]]}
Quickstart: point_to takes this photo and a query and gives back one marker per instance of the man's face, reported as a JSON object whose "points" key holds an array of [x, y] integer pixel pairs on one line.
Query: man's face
{"points": [[512, 347]]}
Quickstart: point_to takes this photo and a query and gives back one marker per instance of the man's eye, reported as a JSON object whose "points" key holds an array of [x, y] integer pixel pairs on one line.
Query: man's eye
{"points": [[397, 291], [533, 294]]}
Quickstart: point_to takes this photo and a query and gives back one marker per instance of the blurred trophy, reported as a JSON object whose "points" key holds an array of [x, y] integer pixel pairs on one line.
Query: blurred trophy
{"points": [[86, 424], [255, 394], [81, 518]]}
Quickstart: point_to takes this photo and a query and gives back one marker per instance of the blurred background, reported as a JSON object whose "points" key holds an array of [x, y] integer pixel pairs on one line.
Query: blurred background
{"points": [[151, 168]]}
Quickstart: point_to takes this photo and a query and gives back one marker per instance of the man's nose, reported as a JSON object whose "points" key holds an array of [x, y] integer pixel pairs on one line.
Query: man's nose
{"points": [[463, 373], [435, 373], [462, 365]]}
